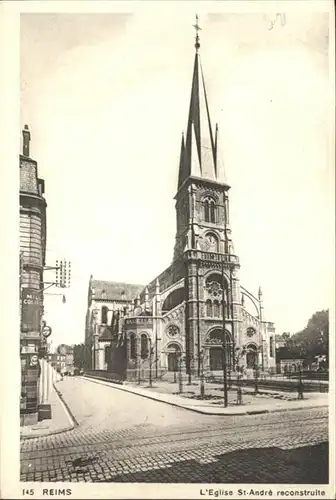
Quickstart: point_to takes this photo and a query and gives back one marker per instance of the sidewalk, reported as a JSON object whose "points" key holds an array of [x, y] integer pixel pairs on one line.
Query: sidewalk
{"points": [[61, 420], [252, 404]]}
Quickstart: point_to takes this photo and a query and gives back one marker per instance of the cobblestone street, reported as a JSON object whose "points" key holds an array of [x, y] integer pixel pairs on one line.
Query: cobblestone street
{"points": [[124, 437]]}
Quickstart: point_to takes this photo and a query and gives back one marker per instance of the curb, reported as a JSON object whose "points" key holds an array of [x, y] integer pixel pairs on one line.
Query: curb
{"points": [[70, 414], [70, 427], [198, 410]]}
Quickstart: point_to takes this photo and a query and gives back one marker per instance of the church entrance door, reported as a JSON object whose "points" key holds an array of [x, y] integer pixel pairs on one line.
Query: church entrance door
{"points": [[216, 358], [251, 356], [174, 353], [172, 361]]}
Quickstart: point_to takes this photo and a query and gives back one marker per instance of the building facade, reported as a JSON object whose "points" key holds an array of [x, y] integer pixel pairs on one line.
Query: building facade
{"points": [[32, 261], [62, 360], [195, 310], [105, 300]]}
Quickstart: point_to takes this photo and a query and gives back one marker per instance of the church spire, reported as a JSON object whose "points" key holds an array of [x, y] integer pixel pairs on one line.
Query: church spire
{"points": [[199, 157]]}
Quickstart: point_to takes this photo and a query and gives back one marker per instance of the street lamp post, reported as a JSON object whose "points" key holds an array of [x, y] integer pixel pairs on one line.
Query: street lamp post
{"points": [[256, 377], [300, 385], [202, 391], [180, 374], [139, 369]]}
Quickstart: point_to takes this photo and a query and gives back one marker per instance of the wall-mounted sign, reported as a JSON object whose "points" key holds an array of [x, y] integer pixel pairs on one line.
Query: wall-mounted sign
{"points": [[31, 310], [46, 331], [33, 360], [31, 297]]}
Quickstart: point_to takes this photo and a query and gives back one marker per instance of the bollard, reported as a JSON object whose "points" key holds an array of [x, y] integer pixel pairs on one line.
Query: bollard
{"points": [[180, 382], [239, 396], [202, 391]]}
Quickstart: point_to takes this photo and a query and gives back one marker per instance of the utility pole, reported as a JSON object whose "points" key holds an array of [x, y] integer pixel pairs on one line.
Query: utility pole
{"points": [[201, 355], [157, 312], [180, 375], [156, 348], [256, 378], [224, 340], [139, 366]]}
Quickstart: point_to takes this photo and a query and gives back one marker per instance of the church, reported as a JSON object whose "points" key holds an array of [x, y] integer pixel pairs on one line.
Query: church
{"points": [[195, 316]]}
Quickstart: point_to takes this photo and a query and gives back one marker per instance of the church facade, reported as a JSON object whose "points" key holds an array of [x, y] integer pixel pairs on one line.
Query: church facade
{"points": [[196, 311]]}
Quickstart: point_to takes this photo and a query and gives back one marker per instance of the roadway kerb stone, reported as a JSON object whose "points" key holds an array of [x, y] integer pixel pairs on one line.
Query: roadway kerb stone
{"points": [[173, 401], [71, 415]]}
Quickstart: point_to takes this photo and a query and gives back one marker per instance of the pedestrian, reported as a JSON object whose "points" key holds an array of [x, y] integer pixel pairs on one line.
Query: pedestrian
{"points": [[300, 389]]}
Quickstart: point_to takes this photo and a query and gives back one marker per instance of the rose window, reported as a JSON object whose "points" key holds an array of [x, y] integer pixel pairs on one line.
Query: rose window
{"points": [[173, 330], [213, 288], [250, 332]]}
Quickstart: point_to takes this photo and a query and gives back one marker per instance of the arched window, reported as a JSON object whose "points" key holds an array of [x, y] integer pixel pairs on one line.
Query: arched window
{"points": [[133, 347], [216, 309], [209, 210], [206, 211], [208, 308], [144, 345], [212, 211], [104, 312], [107, 353], [271, 347]]}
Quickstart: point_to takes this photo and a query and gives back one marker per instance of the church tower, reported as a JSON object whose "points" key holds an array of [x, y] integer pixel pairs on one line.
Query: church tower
{"points": [[203, 235], [192, 316]]}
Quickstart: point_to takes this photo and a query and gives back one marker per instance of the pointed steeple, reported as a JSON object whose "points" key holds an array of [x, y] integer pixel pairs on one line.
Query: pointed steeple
{"points": [[201, 153], [182, 174]]}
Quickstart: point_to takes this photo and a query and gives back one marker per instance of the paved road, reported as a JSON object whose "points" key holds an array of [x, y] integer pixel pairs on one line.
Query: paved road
{"points": [[124, 437]]}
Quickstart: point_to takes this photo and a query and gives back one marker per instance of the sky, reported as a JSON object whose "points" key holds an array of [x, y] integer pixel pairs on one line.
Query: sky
{"points": [[106, 98]]}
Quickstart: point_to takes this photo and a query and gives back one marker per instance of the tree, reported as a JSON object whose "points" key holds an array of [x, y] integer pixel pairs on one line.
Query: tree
{"points": [[82, 356], [286, 336], [313, 340], [310, 342]]}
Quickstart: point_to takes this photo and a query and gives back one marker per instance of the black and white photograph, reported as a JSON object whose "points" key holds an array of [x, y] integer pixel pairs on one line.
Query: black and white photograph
{"points": [[174, 250]]}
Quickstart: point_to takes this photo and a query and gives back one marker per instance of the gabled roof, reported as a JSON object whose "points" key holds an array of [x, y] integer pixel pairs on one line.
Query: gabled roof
{"points": [[113, 290]]}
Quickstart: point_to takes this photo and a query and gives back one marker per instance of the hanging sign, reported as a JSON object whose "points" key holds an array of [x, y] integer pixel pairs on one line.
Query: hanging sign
{"points": [[46, 331]]}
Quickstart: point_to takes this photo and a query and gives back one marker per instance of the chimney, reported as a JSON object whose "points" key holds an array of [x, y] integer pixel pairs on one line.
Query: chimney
{"points": [[26, 140]]}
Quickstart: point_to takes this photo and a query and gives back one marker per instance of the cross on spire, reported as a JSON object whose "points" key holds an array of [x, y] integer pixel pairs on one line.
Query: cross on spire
{"points": [[197, 28]]}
